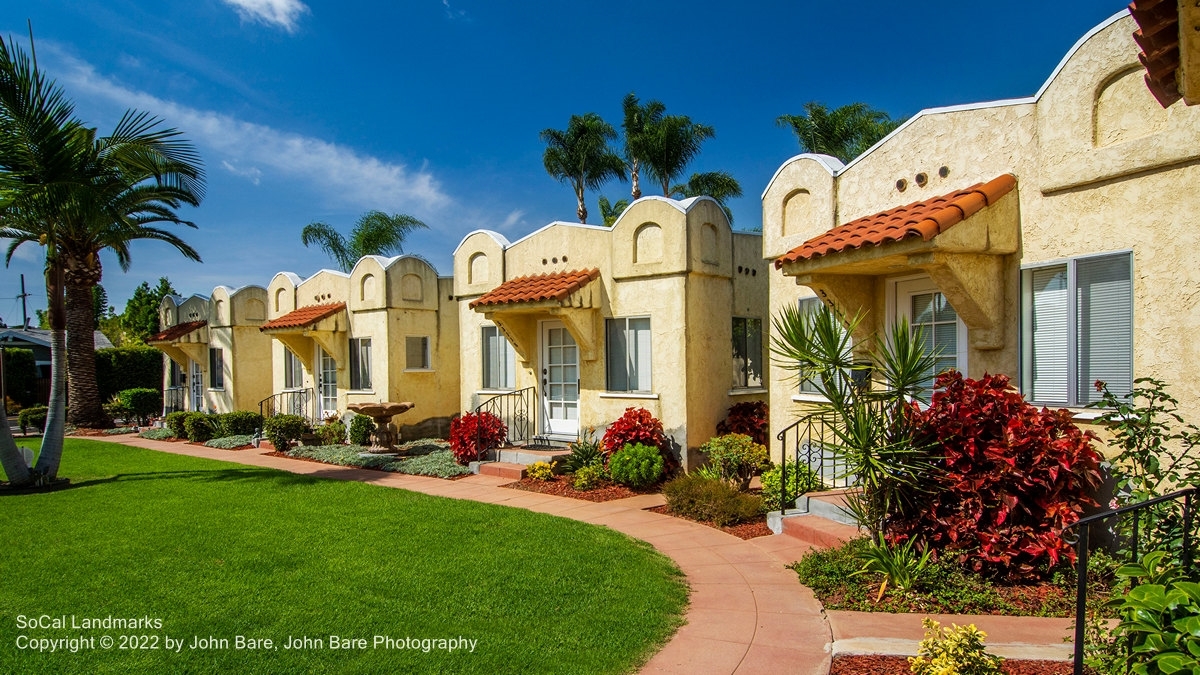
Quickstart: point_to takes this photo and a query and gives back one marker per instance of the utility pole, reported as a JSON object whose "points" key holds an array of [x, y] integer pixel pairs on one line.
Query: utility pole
{"points": [[24, 307]]}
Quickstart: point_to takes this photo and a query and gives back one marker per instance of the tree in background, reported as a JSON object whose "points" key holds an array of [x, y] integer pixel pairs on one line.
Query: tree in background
{"points": [[580, 156], [140, 319], [844, 132], [610, 211], [375, 233], [638, 117], [716, 184], [100, 306]]}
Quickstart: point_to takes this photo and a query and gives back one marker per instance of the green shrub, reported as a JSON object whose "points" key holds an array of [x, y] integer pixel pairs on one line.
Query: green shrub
{"points": [[584, 452], [636, 466], [899, 565], [956, 650], [240, 423], [157, 434], [20, 376], [174, 422], [712, 501], [122, 368], [281, 430], [230, 442], [589, 477], [33, 416], [737, 457], [331, 433], [200, 427], [540, 471], [116, 408], [800, 479], [141, 402], [361, 428]]}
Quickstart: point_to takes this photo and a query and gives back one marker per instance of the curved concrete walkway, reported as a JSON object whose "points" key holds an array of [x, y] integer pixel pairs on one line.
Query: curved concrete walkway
{"points": [[748, 614]]}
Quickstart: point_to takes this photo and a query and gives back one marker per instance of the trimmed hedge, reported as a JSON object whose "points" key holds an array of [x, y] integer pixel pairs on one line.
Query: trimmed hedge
{"points": [[281, 430], [200, 427], [239, 423], [142, 402], [361, 428], [174, 422], [20, 375], [33, 416], [121, 368], [709, 500]]}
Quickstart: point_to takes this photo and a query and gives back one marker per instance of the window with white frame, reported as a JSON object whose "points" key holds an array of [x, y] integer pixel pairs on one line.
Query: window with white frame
{"points": [[1077, 329], [416, 353], [360, 364], [293, 370], [628, 354], [808, 307], [747, 352], [216, 368], [175, 376], [499, 360]]}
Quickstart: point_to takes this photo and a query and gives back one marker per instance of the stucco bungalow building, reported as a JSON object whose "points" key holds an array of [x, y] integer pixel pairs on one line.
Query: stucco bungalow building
{"points": [[216, 359], [581, 322], [1052, 238], [387, 331]]}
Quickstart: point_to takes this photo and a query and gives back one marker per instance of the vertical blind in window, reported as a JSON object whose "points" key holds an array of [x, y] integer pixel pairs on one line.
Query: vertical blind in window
{"points": [[628, 354], [1104, 311], [360, 363], [1048, 332], [216, 368], [416, 353], [499, 360], [747, 352], [293, 370]]}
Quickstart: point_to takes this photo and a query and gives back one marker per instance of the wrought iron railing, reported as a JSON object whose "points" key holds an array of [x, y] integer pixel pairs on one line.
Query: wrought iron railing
{"points": [[174, 399], [1082, 541], [293, 402], [809, 442], [514, 409]]}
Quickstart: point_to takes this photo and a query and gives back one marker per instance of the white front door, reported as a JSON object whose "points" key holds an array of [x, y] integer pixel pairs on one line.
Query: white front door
{"points": [[560, 380], [925, 308], [326, 384], [197, 387]]}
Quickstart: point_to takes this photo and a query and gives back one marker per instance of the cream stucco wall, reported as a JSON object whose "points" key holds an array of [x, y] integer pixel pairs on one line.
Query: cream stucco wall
{"points": [[1100, 167], [677, 263]]}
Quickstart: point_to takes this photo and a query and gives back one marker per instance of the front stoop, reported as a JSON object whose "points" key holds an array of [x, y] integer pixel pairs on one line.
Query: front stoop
{"points": [[526, 456], [818, 531], [503, 470]]}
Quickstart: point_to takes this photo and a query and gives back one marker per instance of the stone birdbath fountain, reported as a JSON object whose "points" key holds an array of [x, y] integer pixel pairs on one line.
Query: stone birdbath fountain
{"points": [[384, 438]]}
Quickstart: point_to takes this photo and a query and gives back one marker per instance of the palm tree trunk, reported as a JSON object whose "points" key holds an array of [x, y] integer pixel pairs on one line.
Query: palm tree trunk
{"points": [[82, 392], [52, 440], [635, 180], [10, 457], [581, 211]]}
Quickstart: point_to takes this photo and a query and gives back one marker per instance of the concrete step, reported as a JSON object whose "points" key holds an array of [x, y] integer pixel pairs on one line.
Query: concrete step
{"points": [[503, 470], [525, 456], [819, 531], [830, 505]]}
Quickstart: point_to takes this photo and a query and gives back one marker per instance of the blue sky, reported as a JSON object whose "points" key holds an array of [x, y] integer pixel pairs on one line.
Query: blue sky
{"points": [[309, 110]]}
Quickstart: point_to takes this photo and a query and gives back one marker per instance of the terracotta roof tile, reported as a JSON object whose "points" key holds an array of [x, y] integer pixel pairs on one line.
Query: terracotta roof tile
{"points": [[1158, 38], [304, 316], [549, 286], [177, 331], [924, 219]]}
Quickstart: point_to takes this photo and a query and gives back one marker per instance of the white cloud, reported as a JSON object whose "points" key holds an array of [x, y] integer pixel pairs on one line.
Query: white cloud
{"points": [[452, 13], [340, 174], [281, 13], [513, 219]]}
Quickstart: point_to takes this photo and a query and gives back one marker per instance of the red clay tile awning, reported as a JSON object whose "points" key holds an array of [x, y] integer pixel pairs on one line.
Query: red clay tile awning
{"points": [[538, 287], [924, 219], [177, 331], [305, 316], [1158, 38]]}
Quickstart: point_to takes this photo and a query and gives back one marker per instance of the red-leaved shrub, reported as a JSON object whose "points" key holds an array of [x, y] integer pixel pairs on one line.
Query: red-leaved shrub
{"points": [[637, 425], [749, 418], [473, 434], [1010, 478]]}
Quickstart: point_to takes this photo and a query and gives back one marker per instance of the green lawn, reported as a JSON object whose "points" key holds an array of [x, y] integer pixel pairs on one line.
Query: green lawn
{"points": [[218, 549]]}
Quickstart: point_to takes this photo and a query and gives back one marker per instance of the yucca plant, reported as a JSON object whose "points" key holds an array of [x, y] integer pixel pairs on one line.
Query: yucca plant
{"points": [[900, 565]]}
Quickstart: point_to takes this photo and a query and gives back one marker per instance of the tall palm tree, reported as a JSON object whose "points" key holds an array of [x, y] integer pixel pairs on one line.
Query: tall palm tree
{"points": [[136, 177], [375, 233], [669, 144], [580, 155], [716, 184], [844, 132], [610, 211], [638, 117]]}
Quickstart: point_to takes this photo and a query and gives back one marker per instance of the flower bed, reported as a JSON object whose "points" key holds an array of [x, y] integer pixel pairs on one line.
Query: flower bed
{"points": [[878, 664], [562, 486], [749, 530]]}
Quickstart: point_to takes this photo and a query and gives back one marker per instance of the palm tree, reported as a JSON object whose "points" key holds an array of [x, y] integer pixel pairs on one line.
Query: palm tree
{"points": [[375, 233], [716, 184], [136, 177], [669, 144], [844, 132], [580, 155], [637, 118], [610, 211]]}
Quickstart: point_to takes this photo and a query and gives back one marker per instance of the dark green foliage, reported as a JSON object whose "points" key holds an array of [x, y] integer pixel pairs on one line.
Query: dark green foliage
{"points": [[200, 427], [141, 402], [361, 428], [800, 479], [1160, 620], [709, 500], [122, 368], [140, 319], [636, 466], [736, 457], [584, 452], [332, 433], [239, 423], [33, 416], [20, 375], [281, 430], [174, 422]]}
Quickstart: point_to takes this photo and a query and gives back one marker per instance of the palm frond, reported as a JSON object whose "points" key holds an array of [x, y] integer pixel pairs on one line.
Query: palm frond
{"points": [[331, 241]]}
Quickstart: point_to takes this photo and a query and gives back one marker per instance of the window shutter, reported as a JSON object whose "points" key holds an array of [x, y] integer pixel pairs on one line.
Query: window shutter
{"points": [[1049, 335], [1104, 310]]}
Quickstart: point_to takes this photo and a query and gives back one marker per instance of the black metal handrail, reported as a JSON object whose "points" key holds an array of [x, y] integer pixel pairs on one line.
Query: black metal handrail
{"points": [[292, 402], [513, 408], [1084, 526], [809, 440]]}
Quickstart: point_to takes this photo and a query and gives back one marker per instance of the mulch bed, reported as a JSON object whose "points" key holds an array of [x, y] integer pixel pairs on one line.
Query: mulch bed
{"points": [[563, 486], [751, 530], [1040, 599], [876, 664]]}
